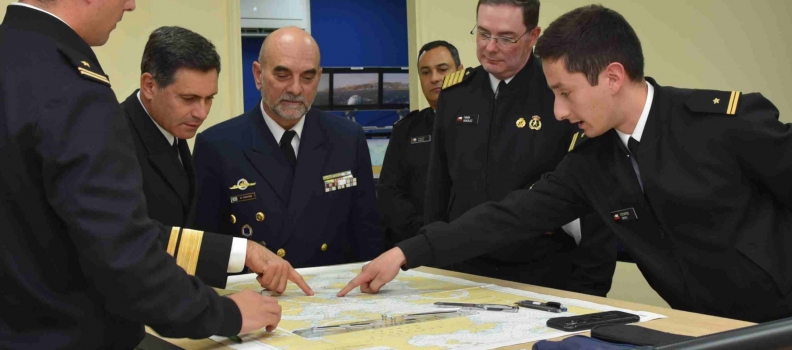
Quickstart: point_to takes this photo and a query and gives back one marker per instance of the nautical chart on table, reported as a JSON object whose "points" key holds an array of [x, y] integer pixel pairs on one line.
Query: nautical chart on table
{"points": [[411, 292]]}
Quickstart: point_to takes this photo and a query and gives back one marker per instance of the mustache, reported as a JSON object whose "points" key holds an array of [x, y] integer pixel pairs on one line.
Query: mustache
{"points": [[291, 98]]}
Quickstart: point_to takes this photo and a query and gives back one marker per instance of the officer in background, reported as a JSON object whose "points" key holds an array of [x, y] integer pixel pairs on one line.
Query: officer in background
{"points": [[81, 264], [295, 179], [694, 182], [495, 133], [401, 186]]}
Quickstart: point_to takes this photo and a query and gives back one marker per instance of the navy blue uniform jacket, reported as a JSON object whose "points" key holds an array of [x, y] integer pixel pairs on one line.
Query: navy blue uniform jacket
{"points": [[712, 229], [290, 212], [81, 264]]}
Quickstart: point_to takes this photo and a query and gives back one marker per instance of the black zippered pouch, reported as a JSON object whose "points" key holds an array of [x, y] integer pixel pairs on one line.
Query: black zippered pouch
{"points": [[635, 335]]}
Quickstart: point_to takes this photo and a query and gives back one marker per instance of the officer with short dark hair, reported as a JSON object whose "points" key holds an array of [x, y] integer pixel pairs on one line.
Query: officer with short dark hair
{"points": [[401, 185]]}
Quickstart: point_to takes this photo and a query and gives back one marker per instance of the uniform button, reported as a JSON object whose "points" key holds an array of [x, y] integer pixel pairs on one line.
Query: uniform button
{"points": [[281, 252], [233, 219], [324, 246], [260, 216]]}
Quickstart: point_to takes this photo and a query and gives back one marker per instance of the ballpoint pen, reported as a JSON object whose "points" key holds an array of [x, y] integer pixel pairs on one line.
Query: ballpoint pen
{"points": [[550, 306], [484, 307]]}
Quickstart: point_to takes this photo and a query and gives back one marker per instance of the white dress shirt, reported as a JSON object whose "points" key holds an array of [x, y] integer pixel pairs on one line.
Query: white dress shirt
{"points": [[639, 128], [495, 81], [236, 262], [278, 130]]}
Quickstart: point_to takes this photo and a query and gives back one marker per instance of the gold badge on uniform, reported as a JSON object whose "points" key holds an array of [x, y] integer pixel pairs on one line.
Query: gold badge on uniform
{"points": [[242, 185], [536, 123], [521, 123], [339, 181], [86, 64]]}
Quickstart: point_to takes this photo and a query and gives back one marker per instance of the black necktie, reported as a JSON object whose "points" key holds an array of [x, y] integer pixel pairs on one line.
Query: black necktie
{"points": [[500, 88], [633, 144], [286, 147]]}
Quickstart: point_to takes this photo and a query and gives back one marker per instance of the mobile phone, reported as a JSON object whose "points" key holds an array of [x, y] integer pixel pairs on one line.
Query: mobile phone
{"points": [[583, 322]]}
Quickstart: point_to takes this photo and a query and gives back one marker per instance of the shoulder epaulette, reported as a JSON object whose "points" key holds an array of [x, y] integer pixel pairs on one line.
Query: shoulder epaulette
{"points": [[458, 77], [409, 115], [713, 101], [577, 140], [83, 65]]}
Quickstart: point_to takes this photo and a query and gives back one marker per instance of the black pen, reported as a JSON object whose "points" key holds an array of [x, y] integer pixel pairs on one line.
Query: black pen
{"points": [[549, 306]]}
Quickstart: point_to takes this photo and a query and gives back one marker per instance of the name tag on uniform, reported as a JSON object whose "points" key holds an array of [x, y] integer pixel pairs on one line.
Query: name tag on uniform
{"points": [[338, 181], [624, 215], [243, 197], [420, 139], [468, 119]]}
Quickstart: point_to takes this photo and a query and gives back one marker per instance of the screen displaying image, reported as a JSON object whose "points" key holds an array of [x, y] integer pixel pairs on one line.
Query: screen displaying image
{"points": [[395, 88], [323, 92], [351, 89]]}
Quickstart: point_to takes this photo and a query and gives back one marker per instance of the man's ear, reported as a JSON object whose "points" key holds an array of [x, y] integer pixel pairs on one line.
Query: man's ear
{"points": [[615, 76], [147, 86], [257, 74], [461, 67]]}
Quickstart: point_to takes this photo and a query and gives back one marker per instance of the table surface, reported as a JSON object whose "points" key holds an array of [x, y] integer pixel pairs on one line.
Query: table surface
{"points": [[678, 322]]}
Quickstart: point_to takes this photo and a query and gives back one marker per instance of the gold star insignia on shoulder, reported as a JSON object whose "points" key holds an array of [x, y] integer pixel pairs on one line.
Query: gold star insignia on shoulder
{"points": [[84, 63], [709, 101]]}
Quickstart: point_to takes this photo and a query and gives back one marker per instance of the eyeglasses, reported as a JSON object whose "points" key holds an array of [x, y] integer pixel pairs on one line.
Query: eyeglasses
{"points": [[485, 38]]}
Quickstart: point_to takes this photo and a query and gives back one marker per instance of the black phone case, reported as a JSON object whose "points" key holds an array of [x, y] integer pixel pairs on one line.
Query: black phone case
{"points": [[583, 322]]}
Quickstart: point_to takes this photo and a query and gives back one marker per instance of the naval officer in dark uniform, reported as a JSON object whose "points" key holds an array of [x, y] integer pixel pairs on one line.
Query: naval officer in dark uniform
{"points": [[81, 264], [495, 133], [295, 179], [694, 182], [402, 181]]}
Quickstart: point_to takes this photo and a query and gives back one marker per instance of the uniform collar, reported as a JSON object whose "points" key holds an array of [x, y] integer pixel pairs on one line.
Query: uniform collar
{"points": [[495, 81], [35, 20], [278, 130], [168, 136], [38, 9], [639, 128]]}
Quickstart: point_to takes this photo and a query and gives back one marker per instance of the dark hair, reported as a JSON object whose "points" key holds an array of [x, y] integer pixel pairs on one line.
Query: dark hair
{"points": [[172, 48], [441, 43], [530, 10], [590, 38]]}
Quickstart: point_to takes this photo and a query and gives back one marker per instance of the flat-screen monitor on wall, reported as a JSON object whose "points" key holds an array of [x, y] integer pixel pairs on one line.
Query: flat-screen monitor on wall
{"points": [[323, 92], [396, 88], [367, 88], [355, 89]]}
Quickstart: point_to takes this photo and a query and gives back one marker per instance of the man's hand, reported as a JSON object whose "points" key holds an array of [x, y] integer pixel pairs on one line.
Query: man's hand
{"points": [[273, 272], [377, 273], [258, 311]]}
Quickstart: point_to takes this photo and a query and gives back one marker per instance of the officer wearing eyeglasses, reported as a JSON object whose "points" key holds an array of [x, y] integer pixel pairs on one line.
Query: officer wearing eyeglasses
{"points": [[495, 133]]}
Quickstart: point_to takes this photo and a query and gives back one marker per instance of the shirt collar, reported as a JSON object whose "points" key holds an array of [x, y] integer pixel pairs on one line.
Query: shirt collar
{"points": [[278, 130], [38, 9], [639, 128], [495, 81], [168, 136]]}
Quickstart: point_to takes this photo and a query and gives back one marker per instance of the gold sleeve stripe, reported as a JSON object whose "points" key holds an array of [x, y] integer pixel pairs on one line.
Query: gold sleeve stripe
{"points": [[189, 249], [731, 102], [174, 237], [733, 109], [572, 145]]}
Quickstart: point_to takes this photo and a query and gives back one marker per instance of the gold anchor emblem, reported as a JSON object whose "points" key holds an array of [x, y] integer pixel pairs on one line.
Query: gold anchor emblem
{"points": [[521, 123], [536, 123]]}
